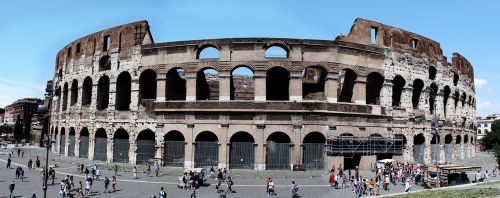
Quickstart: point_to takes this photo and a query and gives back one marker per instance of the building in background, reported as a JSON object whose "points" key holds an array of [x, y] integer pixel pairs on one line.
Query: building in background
{"points": [[484, 124], [22, 110]]}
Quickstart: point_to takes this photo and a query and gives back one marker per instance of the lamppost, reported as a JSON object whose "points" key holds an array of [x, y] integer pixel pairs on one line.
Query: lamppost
{"points": [[437, 124], [48, 145]]}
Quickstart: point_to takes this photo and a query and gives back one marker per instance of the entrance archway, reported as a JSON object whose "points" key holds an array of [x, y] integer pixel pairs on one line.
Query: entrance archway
{"points": [[458, 148], [418, 148], [206, 150], [174, 149], [101, 145], [435, 142], [71, 142], [84, 143], [145, 147], [62, 144], [121, 146], [242, 151], [278, 151], [312, 150], [448, 147]]}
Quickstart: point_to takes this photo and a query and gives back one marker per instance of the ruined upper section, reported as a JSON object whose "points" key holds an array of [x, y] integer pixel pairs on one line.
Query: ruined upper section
{"points": [[374, 33], [123, 36]]}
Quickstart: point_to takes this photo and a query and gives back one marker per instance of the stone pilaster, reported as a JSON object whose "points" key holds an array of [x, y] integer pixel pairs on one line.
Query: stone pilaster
{"points": [[260, 86], [386, 94], [161, 87], [223, 148], [295, 86], [191, 86], [359, 90], [224, 86], [331, 84]]}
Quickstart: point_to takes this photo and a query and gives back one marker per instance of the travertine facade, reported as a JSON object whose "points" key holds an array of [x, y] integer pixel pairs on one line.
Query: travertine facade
{"points": [[140, 96]]}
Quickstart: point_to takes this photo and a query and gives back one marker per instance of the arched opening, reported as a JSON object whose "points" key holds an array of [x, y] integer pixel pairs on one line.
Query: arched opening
{"points": [[71, 142], [176, 84], [207, 84], [65, 97], [435, 142], [87, 91], [432, 73], [398, 84], [56, 143], [400, 143], [208, 52], [57, 103], [123, 88], [147, 85], [278, 151], [448, 147], [463, 99], [174, 149], [313, 83], [62, 144], [347, 78], [101, 145], [74, 92], [313, 147], [418, 85], [242, 83], [146, 147], [447, 92], [374, 83], [104, 63], [206, 150], [458, 147], [276, 51], [121, 146], [455, 79], [103, 93], [277, 84], [60, 74], [242, 151], [84, 143], [456, 97], [418, 148], [432, 97], [466, 146]]}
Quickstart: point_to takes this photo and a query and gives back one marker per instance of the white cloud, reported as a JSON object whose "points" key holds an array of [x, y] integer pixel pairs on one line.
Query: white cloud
{"points": [[487, 108], [480, 82], [14, 90]]}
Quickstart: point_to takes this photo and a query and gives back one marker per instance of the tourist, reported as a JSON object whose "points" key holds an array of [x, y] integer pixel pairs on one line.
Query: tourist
{"points": [[134, 171], [52, 174], [22, 153], [30, 164], [267, 185], [272, 190], [86, 172], [87, 186], [37, 162], [12, 185], [495, 171], [97, 174], [229, 185], [93, 172], [162, 193], [115, 169], [372, 187], [113, 181], [344, 182], [106, 184], [8, 162], [79, 189], [295, 189], [148, 170], [407, 186], [332, 180]]}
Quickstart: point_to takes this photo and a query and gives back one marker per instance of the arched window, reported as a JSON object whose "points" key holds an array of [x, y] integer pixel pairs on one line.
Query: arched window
{"points": [[276, 51], [432, 97], [432, 73], [242, 83], [277, 81], [418, 85], [208, 52], [74, 92], [347, 78], [374, 83], [207, 84], [147, 85], [104, 63], [455, 78], [447, 92], [176, 84], [87, 91], [313, 83], [103, 93], [463, 99], [397, 89], [65, 97], [123, 88]]}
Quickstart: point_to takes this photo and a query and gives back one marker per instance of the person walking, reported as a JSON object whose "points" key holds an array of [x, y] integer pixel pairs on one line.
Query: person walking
{"points": [[22, 153], [87, 186], [52, 173], [8, 163], [86, 172], [115, 168], [162, 193], [30, 164], [157, 169], [149, 170], [12, 185], [106, 184], [134, 170], [113, 181], [407, 186], [97, 174], [18, 152], [229, 185], [79, 190], [37, 162], [295, 190]]}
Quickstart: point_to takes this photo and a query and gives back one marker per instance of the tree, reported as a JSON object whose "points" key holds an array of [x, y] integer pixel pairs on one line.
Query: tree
{"points": [[18, 128], [497, 154]]}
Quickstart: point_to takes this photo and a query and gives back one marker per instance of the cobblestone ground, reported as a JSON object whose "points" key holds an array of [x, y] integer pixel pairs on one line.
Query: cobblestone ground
{"points": [[249, 184]]}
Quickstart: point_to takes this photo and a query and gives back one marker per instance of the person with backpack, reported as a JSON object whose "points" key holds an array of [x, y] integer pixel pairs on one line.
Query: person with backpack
{"points": [[106, 184], [229, 185], [162, 193], [12, 185]]}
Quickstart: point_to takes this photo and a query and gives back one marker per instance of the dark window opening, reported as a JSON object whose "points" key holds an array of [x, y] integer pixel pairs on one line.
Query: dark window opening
{"points": [[60, 75], [103, 93], [463, 99], [176, 84], [123, 88], [374, 34], [74, 92], [414, 43], [397, 89], [315, 137], [78, 48], [418, 85], [432, 97], [455, 78], [436, 139], [448, 139], [458, 140], [374, 83], [242, 83], [419, 139], [208, 52], [432, 73], [313, 83], [456, 98], [104, 63], [106, 43], [207, 84], [65, 97], [278, 137], [447, 92], [276, 52], [206, 136], [69, 53], [87, 91], [277, 84], [147, 85], [347, 79]]}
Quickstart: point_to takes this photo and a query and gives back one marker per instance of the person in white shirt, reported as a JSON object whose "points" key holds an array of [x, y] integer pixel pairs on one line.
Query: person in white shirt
{"points": [[407, 186]]}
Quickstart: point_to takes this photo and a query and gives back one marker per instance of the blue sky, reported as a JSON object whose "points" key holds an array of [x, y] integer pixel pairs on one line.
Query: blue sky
{"points": [[32, 32]]}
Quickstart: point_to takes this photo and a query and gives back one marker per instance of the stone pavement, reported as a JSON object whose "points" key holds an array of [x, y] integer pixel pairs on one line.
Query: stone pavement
{"points": [[312, 184]]}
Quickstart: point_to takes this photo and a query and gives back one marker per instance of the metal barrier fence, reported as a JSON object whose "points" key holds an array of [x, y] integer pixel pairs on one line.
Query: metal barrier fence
{"points": [[448, 150], [418, 153], [145, 151], [174, 153], [206, 154], [434, 152], [71, 146], [242, 155], [458, 152], [313, 156], [84, 147], [466, 151], [277, 156], [100, 149], [120, 150]]}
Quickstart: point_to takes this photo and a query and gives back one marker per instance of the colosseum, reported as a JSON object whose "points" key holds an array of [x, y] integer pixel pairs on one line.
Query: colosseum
{"points": [[262, 103]]}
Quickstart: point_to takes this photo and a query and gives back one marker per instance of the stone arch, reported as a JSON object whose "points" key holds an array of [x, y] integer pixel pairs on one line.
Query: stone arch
{"points": [[62, 141], [313, 150], [458, 147], [74, 92], [207, 84], [103, 93], [145, 146], [418, 86], [463, 98], [147, 85], [123, 91], [432, 73], [456, 97], [174, 145], [419, 148], [347, 79], [313, 83], [455, 79], [206, 149], [105, 63], [276, 50], [84, 143], [87, 91], [374, 82], [448, 148], [121, 146], [71, 142], [241, 151], [65, 97], [447, 92], [208, 51], [278, 151], [435, 142], [100, 145], [176, 84], [277, 84], [432, 97], [242, 83], [398, 83]]}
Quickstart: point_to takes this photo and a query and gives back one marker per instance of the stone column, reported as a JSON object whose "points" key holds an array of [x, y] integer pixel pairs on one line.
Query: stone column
{"points": [[77, 144], [134, 95], [66, 143], [260, 150], [91, 146], [260, 86], [331, 83], [295, 86], [132, 151], [359, 90], [409, 149], [297, 145], [224, 86], [406, 98], [161, 87], [159, 147], [462, 155], [191, 86], [223, 147], [189, 150], [386, 94], [111, 145], [427, 145], [439, 105], [441, 146], [453, 145]]}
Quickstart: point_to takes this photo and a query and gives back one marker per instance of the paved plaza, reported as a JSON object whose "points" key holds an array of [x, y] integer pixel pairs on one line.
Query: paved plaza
{"points": [[312, 184]]}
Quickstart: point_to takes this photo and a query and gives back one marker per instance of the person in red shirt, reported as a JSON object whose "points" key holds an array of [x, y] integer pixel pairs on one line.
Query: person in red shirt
{"points": [[332, 180]]}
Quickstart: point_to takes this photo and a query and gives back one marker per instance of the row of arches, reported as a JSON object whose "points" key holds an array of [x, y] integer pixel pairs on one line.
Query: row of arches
{"points": [[450, 147], [271, 51]]}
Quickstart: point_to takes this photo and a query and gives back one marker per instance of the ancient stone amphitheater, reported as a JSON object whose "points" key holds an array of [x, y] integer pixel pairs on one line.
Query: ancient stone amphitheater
{"points": [[262, 103]]}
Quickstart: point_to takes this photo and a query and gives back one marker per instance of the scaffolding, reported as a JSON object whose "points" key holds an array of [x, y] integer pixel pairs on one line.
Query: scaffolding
{"points": [[349, 145]]}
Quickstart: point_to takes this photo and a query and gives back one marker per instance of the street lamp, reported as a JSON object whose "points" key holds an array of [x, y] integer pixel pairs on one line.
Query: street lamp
{"points": [[48, 145], [437, 124]]}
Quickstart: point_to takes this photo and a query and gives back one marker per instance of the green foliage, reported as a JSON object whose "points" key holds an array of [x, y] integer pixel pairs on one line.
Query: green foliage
{"points": [[18, 128], [492, 138], [495, 126], [497, 154]]}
